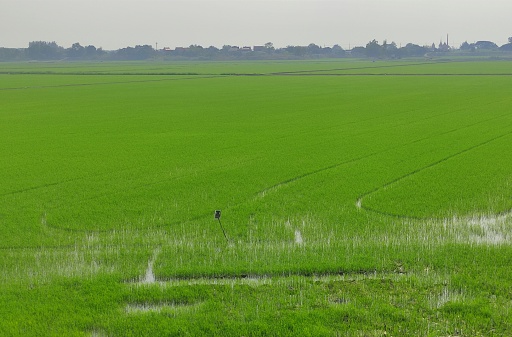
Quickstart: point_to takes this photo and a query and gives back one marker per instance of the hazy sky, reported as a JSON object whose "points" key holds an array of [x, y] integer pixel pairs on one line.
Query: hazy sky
{"points": [[114, 24]]}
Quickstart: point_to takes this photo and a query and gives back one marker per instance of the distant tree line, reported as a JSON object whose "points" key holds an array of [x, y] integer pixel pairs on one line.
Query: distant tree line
{"points": [[390, 50], [486, 46], [45, 51]]}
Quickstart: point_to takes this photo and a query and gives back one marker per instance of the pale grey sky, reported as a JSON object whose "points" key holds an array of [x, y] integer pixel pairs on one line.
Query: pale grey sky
{"points": [[114, 24]]}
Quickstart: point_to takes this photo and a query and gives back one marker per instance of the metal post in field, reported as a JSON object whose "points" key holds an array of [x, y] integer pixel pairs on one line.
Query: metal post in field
{"points": [[217, 216]]}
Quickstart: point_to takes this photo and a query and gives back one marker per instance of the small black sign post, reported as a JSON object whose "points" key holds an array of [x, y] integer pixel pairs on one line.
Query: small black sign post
{"points": [[217, 216]]}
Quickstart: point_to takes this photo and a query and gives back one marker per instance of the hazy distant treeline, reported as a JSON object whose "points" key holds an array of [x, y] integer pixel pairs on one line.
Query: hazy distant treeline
{"points": [[45, 51]]}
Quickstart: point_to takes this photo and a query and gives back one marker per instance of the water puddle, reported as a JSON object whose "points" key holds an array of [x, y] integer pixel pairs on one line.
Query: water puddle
{"points": [[298, 237], [149, 276]]}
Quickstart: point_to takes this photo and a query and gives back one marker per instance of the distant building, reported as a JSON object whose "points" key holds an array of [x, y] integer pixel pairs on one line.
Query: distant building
{"points": [[259, 48], [245, 48], [443, 46]]}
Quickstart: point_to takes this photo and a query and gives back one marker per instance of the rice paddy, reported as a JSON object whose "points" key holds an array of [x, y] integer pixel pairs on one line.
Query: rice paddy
{"points": [[358, 198]]}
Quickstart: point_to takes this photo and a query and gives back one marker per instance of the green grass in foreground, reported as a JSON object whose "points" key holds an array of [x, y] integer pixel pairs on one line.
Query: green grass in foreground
{"points": [[353, 205]]}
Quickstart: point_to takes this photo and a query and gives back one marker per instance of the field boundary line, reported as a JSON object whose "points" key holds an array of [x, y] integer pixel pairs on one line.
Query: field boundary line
{"points": [[365, 67]]}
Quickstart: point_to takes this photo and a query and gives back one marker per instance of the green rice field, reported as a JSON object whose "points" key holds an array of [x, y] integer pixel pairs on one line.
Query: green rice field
{"points": [[358, 198]]}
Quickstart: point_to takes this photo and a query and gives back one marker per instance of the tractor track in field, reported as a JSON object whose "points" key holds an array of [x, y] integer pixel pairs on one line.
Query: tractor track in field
{"points": [[273, 140], [354, 68], [191, 76], [133, 188], [28, 189], [303, 73], [225, 74], [104, 174], [359, 202], [312, 72], [419, 121], [112, 230], [56, 183], [181, 78]]}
